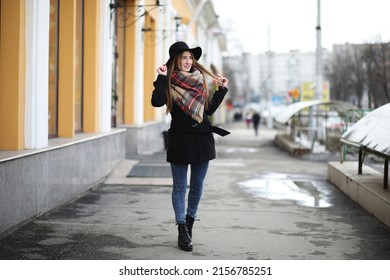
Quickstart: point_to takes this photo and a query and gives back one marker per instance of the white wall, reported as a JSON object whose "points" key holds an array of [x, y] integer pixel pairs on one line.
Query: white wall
{"points": [[37, 69]]}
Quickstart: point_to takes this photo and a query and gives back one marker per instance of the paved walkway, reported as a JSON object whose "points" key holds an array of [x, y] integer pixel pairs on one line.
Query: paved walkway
{"points": [[259, 203]]}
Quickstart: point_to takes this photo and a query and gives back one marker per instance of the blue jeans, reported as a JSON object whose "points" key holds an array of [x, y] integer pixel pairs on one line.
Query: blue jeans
{"points": [[179, 176]]}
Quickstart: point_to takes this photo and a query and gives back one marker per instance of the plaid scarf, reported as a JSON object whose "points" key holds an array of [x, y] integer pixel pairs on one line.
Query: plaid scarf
{"points": [[189, 93]]}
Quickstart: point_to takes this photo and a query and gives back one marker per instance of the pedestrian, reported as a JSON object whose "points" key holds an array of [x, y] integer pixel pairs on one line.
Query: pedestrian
{"points": [[181, 86], [256, 121], [248, 119]]}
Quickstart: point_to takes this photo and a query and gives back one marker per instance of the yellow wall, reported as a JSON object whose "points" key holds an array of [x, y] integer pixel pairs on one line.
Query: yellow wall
{"points": [[12, 67], [129, 63], [183, 10], [129, 67], [12, 74], [67, 64], [91, 65]]}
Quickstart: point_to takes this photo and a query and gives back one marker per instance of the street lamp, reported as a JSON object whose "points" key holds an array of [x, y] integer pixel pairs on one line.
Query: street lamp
{"points": [[319, 53], [178, 22]]}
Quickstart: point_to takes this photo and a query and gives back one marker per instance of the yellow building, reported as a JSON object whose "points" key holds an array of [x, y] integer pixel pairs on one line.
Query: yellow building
{"points": [[75, 85]]}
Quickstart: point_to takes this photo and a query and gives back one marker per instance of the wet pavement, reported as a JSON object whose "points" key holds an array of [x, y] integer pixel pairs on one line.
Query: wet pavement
{"points": [[259, 203]]}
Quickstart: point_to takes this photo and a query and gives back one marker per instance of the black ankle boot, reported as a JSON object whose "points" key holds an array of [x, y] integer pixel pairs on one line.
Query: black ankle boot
{"points": [[184, 240], [190, 223]]}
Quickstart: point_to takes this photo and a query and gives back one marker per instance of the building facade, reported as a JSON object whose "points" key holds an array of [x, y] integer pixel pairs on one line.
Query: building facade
{"points": [[271, 74], [75, 86]]}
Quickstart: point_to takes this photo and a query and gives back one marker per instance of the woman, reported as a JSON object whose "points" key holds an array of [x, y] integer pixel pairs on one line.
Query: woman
{"points": [[181, 86]]}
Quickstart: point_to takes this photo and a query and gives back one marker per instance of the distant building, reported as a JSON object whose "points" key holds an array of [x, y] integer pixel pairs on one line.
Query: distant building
{"points": [[255, 75]]}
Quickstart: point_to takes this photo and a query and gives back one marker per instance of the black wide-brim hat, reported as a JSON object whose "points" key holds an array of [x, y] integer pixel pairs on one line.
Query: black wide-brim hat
{"points": [[180, 47]]}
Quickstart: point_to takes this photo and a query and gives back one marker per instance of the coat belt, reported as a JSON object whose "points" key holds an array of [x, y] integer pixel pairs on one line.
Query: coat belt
{"points": [[201, 128]]}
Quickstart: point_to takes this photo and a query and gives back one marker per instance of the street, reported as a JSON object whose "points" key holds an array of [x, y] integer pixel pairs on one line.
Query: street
{"points": [[258, 203]]}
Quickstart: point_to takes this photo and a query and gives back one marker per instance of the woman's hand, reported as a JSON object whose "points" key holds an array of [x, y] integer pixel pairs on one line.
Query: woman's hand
{"points": [[222, 81], [162, 70]]}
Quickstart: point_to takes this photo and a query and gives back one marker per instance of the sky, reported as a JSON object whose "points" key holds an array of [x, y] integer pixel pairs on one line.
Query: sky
{"points": [[292, 23]]}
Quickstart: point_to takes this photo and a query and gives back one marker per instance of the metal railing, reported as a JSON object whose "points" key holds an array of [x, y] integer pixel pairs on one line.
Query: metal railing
{"points": [[351, 117]]}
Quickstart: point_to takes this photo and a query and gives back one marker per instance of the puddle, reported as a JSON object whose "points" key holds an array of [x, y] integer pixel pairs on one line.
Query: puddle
{"points": [[239, 150], [303, 193], [275, 176]]}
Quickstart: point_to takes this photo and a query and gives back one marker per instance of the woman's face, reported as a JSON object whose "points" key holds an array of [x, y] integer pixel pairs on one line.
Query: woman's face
{"points": [[185, 61]]}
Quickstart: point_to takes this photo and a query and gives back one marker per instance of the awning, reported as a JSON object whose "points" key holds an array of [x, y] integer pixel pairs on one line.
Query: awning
{"points": [[372, 131], [291, 110]]}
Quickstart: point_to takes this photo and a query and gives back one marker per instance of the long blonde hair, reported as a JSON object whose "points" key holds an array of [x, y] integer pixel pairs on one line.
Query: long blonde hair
{"points": [[172, 66]]}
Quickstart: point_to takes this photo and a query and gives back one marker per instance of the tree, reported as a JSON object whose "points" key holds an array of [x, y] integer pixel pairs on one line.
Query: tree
{"points": [[377, 57], [339, 73], [371, 75], [358, 73], [354, 69]]}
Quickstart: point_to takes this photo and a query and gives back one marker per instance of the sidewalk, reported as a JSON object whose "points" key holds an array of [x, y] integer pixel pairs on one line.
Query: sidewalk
{"points": [[259, 203]]}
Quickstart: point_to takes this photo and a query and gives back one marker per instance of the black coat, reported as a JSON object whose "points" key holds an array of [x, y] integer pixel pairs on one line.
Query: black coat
{"points": [[188, 141]]}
